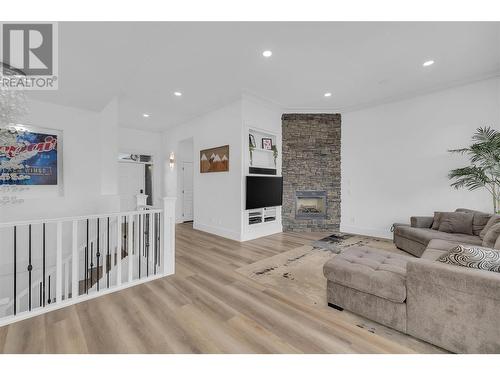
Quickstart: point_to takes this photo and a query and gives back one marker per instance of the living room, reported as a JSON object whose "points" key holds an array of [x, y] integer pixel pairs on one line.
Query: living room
{"points": [[250, 188]]}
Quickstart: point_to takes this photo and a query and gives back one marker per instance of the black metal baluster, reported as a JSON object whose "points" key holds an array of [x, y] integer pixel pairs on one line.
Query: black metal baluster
{"points": [[125, 234], [91, 263], [41, 302], [30, 267], [49, 300], [154, 243], [87, 260], [43, 266], [15, 270], [98, 254], [108, 258]]}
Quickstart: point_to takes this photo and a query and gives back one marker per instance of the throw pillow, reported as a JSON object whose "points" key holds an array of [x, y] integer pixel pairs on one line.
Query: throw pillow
{"points": [[480, 220], [493, 220], [437, 220], [456, 222], [497, 244], [491, 236], [473, 257]]}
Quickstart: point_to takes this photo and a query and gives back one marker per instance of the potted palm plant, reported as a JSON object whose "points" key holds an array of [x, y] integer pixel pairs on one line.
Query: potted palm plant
{"points": [[484, 168]]}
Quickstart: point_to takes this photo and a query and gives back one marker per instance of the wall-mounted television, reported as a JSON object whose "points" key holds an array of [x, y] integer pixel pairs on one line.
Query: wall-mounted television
{"points": [[264, 192]]}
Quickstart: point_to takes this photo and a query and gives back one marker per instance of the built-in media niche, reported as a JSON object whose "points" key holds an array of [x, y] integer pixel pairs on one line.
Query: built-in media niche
{"points": [[263, 195]]}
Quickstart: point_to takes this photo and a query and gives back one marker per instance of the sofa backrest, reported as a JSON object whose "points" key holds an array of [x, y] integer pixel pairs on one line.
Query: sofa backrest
{"points": [[479, 221]]}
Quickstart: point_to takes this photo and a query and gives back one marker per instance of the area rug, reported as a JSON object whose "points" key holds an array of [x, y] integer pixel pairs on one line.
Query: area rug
{"points": [[333, 242], [300, 270], [298, 273]]}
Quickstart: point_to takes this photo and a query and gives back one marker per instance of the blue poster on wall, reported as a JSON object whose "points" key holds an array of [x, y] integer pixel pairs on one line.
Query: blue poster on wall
{"points": [[28, 157]]}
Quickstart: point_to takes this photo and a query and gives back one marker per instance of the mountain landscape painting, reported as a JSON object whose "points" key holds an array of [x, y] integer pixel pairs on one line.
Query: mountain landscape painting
{"points": [[214, 159]]}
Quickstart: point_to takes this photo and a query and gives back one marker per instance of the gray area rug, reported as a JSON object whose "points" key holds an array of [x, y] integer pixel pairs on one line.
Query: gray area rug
{"points": [[334, 243], [299, 274]]}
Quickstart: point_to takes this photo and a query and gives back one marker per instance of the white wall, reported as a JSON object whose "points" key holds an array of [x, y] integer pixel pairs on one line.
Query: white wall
{"points": [[109, 148], [81, 162], [217, 196], [394, 158], [146, 143]]}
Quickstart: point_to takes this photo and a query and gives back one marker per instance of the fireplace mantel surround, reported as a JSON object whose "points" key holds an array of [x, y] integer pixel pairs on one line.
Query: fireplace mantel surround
{"points": [[311, 163]]}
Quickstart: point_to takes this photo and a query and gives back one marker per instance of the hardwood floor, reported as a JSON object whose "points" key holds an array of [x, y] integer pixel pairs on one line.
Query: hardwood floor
{"points": [[206, 307]]}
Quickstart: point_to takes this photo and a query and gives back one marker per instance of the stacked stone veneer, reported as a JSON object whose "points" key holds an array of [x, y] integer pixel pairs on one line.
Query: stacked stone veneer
{"points": [[311, 161]]}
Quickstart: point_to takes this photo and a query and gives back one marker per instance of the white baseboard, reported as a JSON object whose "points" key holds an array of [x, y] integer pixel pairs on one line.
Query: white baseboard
{"points": [[372, 232], [262, 231], [217, 231]]}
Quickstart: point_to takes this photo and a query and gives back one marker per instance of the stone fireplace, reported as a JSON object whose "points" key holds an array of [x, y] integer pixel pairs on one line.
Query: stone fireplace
{"points": [[310, 204], [311, 172]]}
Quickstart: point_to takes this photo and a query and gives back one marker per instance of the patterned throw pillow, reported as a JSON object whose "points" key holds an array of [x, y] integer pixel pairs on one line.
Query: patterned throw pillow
{"points": [[473, 257]]}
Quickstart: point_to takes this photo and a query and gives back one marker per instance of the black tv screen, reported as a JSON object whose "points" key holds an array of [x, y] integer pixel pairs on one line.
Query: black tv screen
{"points": [[264, 192]]}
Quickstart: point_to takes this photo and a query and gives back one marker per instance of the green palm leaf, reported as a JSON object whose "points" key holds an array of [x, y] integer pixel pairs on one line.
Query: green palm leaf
{"points": [[484, 171]]}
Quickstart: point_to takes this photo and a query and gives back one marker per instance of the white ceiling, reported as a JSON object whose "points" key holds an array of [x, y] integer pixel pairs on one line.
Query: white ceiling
{"points": [[361, 63]]}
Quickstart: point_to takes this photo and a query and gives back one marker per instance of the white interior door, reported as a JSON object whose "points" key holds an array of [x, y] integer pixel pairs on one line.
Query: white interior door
{"points": [[131, 182], [187, 191]]}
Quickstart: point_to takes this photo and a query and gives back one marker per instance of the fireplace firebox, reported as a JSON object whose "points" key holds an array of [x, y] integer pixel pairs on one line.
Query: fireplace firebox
{"points": [[310, 204]]}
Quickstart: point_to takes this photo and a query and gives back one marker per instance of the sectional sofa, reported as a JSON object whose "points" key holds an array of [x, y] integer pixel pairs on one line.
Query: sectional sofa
{"points": [[453, 307]]}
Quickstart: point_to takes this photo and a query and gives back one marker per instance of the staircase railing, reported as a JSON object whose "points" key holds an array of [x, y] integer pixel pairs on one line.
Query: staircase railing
{"points": [[52, 263]]}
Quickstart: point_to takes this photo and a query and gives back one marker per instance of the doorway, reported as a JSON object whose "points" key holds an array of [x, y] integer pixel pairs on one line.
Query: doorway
{"points": [[187, 191], [135, 176], [185, 181]]}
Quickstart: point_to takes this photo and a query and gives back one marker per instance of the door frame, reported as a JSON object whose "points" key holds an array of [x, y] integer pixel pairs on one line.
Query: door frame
{"points": [[152, 163], [182, 188]]}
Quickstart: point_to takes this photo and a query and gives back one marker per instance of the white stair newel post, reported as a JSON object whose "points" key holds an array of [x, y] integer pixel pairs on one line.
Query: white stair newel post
{"points": [[74, 261], [59, 279], [118, 251], [168, 240], [130, 258]]}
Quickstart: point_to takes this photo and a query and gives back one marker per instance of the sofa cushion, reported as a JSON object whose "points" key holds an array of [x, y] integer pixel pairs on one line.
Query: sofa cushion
{"points": [[373, 271], [480, 219], [456, 222], [491, 236], [436, 248], [473, 257], [437, 220], [493, 220], [425, 235]]}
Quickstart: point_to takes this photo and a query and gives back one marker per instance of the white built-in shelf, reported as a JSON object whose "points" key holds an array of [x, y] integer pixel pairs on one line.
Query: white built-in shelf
{"points": [[261, 158], [262, 150], [262, 216]]}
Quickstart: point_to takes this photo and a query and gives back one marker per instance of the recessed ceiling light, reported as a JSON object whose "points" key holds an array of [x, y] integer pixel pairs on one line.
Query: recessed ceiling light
{"points": [[267, 53], [327, 94], [177, 93], [146, 115], [428, 63]]}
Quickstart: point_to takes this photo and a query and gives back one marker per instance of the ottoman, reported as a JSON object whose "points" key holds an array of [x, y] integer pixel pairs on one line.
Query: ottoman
{"points": [[369, 282]]}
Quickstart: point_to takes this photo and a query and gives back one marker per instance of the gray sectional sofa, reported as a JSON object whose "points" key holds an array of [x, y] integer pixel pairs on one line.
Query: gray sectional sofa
{"points": [[453, 307], [415, 237]]}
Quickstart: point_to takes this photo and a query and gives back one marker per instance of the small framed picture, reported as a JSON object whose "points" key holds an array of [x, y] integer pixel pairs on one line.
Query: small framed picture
{"points": [[267, 143], [251, 140]]}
